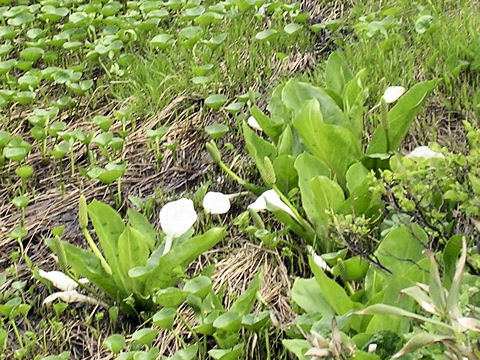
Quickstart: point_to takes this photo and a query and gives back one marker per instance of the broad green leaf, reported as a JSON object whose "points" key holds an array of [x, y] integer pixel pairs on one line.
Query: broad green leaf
{"points": [[390, 295], [279, 112], [309, 167], [333, 292], [31, 53], [256, 322], [352, 269], [199, 286], [227, 354], [165, 318], [326, 195], [215, 101], [217, 131], [143, 226], [208, 18], [450, 255], [307, 294], [355, 176], [234, 107], [229, 321], [145, 336], [298, 347], [180, 256], [162, 41], [193, 12], [170, 297], [266, 35], [108, 226], [285, 173], [285, 142], [399, 250], [363, 355], [292, 28], [353, 102], [269, 127], [307, 234], [114, 343], [112, 172], [189, 353], [133, 251], [295, 94], [336, 146], [245, 301], [399, 118], [258, 149], [423, 23], [337, 73]]}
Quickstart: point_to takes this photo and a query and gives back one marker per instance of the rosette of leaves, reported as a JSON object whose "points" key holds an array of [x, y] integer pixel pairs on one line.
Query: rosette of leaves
{"points": [[313, 146], [129, 265]]}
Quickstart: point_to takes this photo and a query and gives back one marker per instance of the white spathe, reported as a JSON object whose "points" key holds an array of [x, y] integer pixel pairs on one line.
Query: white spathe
{"points": [[71, 297], [60, 280], [424, 152], [317, 259], [176, 218], [392, 93], [273, 199], [254, 124], [216, 203]]}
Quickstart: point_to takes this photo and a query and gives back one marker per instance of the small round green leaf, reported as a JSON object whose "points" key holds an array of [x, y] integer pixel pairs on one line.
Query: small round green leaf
{"points": [[215, 101]]}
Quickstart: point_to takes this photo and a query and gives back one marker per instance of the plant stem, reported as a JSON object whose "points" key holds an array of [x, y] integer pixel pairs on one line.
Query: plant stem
{"points": [[97, 252], [193, 332], [298, 218], [253, 188]]}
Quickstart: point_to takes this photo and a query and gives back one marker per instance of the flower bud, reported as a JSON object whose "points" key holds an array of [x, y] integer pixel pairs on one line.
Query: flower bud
{"points": [[82, 212], [213, 151], [269, 174]]}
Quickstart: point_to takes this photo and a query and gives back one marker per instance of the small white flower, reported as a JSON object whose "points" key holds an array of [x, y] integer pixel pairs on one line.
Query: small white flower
{"points": [[216, 203], [261, 10], [176, 218], [60, 280], [392, 93], [71, 297], [273, 199], [424, 152], [254, 124], [372, 348]]}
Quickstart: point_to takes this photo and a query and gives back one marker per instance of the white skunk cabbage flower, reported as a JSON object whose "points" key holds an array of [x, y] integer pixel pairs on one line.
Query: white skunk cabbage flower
{"points": [[424, 152], [60, 280], [254, 124], [318, 260], [392, 93], [216, 203], [273, 199], [176, 218], [71, 297]]}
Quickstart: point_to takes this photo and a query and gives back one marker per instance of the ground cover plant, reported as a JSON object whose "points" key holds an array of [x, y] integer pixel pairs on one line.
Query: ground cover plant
{"points": [[239, 179]]}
